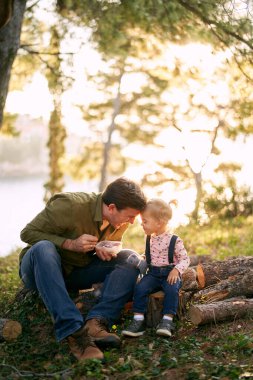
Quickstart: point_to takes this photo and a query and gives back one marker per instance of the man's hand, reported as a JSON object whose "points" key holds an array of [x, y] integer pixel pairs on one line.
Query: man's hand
{"points": [[84, 243], [173, 276], [103, 254]]}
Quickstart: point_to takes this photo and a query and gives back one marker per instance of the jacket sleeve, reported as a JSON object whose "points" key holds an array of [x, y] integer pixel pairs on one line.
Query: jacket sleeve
{"points": [[51, 223]]}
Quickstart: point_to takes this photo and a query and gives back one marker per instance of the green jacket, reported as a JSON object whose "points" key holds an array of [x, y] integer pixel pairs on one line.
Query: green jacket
{"points": [[68, 216]]}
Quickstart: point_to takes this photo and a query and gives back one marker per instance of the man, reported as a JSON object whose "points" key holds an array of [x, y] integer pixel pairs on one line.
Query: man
{"points": [[62, 255]]}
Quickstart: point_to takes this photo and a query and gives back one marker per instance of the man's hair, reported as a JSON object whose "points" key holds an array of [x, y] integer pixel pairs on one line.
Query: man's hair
{"points": [[159, 209], [124, 193]]}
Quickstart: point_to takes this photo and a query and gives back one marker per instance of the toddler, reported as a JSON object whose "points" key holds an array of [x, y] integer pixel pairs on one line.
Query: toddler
{"points": [[167, 259]]}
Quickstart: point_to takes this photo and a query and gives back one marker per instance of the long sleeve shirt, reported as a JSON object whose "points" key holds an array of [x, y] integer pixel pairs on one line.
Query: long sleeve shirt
{"points": [[68, 216], [159, 252]]}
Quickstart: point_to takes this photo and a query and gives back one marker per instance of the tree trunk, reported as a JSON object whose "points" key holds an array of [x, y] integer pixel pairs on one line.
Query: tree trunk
{"points": [[57, 132], [9, 330], [237, 285], [56, 145], [9, 44], [220, 311], [198, 183], [107, 145], [209, 274], [6, 7]]}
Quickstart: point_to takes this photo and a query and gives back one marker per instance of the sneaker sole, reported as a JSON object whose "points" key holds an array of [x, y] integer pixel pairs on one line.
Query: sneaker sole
{"points": [[129, 333], [107, 342], [163, 333]]}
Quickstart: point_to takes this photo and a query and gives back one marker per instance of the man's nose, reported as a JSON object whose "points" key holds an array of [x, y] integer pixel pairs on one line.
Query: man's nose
{"points": [[131, 220]]}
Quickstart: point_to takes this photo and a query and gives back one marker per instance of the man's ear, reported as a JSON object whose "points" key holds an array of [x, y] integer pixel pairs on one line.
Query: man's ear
{"points": [[111, 208]]}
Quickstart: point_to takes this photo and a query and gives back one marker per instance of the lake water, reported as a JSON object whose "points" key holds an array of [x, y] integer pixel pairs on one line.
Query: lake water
{"points": [[21, 199]]}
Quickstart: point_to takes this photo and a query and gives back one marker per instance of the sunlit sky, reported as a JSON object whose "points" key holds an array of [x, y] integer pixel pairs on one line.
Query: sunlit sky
{"points": [[35, 101]]}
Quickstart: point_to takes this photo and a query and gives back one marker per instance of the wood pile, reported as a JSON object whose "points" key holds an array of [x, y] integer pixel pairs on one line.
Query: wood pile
{"points": [[212, 291]]}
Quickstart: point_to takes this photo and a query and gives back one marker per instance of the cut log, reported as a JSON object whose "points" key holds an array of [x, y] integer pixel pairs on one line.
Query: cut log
{"points": [[155, 306], [238, 285], [189, 280], [9, 329], [211, 273], [184, 301], [198, 259], [219, 311]]}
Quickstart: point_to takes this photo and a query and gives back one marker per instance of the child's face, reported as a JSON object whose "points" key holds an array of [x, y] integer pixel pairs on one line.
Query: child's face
{"points": [[149, 223]]}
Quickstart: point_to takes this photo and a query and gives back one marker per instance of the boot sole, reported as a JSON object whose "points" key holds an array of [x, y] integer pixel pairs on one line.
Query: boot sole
{"points": [[163, 333], [133, 334], [107, 342]]}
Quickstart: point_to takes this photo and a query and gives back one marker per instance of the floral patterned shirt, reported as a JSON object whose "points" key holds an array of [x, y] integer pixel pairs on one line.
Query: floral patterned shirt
{"points": [[159, 245]]}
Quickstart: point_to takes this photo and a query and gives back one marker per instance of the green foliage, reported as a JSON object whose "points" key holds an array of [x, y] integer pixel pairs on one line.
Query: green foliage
{"points": [[86, 164], [8, 127], [220, 238], [229, 202]]}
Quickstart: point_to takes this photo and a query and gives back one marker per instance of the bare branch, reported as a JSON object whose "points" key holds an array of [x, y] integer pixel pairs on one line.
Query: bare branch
{"points": [[25, 47], [34, 374], [211, 22], [32, 5]]}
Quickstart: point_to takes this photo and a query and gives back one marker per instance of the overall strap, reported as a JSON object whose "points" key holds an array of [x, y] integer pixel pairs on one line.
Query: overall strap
{"points": [[147, 251], [171, 248]]}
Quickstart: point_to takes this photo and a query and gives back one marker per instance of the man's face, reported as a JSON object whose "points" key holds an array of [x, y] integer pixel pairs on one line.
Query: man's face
{"points": [[118, 217]]}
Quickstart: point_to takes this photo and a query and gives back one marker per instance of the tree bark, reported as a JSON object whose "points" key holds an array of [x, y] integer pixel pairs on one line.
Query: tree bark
{"points": [[6, 10], [198, 259], [9, 329], [189, 280], [198, 183], [237, 285], [184, 300], [220, 311], [57, 132], [155, 306], [211, 273], [9, 44]]}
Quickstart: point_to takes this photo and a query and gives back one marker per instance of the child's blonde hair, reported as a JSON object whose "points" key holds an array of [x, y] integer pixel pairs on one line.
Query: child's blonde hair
{"points": [[159, 209]]}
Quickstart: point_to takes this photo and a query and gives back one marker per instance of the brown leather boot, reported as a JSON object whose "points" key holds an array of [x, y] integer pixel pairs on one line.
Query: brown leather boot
{"points": [[98, 330], [83, 347]]}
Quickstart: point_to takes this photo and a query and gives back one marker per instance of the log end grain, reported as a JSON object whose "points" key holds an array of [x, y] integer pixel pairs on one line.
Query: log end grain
{"points": [[195, 315], [9, 329], [200, 276]]}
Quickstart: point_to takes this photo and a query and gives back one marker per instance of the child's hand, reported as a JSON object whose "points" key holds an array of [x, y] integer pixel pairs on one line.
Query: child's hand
{"points": [[173, 276]]}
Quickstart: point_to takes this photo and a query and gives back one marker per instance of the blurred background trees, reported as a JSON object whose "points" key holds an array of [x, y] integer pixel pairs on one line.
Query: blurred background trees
{"points": [[152, 102]]}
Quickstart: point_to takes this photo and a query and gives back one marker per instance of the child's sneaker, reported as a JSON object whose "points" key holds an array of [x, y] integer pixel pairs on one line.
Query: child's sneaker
{"points": [[164, 327], [136, 328]]}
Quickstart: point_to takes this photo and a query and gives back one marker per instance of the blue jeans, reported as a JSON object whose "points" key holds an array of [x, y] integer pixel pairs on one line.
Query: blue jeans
{"points": [[41, 270], [155, 280]]}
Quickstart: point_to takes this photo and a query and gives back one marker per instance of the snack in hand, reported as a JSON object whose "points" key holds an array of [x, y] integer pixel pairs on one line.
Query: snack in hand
{"points": [[112, 247]]}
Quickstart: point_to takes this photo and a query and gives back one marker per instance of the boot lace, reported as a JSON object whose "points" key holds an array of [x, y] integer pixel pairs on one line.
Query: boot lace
{"points": [[102, 324], [84, 340]]}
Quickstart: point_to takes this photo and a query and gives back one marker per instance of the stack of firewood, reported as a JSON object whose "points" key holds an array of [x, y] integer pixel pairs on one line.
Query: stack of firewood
{"points": [[211, 291]]}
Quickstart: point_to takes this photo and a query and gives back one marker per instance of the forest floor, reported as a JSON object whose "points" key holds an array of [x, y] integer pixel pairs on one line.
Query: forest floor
{"points": [[217, 351]]}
